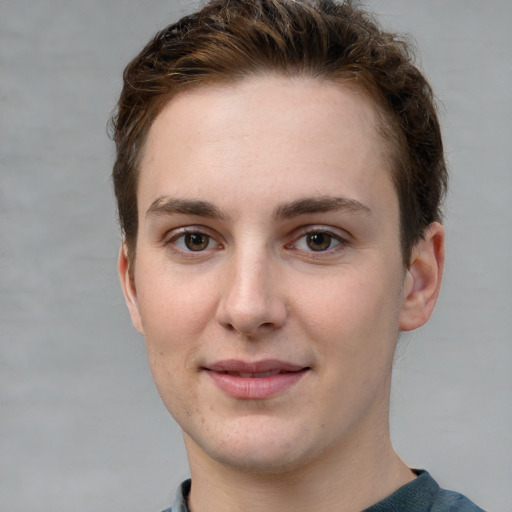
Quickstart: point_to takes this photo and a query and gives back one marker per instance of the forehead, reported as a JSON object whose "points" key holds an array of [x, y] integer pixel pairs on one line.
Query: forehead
{"points": [[213, 106], [272, 131]]}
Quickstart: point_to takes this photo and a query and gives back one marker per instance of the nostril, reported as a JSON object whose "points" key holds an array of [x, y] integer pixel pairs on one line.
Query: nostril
{"points": [[228, 326]]}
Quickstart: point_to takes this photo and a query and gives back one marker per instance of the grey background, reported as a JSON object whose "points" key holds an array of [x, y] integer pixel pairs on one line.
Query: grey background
{"points": [[81, 426]]}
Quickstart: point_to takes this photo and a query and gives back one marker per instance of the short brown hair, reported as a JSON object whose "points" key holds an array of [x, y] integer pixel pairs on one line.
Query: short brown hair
{"points": [[228, 40]]}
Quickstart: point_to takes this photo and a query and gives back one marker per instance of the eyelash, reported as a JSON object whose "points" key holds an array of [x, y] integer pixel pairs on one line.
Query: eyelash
{"points": [[172, 238], [341, 242]]}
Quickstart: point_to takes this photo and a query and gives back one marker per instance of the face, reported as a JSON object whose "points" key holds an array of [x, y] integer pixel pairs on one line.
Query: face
{"points": [[268, 281]]}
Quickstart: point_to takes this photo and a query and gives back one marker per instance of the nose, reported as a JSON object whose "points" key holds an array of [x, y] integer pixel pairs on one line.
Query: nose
{"points": [[252, 301]]}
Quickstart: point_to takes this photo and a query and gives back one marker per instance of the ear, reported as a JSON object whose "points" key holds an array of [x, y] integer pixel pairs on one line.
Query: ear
{"points": [[128, 286], [423, 279]]}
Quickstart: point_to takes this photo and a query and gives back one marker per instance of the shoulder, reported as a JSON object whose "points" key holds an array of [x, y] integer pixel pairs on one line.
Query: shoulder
{"points": [[179, 503], [421, 495], [450, 501], [424, 494]]}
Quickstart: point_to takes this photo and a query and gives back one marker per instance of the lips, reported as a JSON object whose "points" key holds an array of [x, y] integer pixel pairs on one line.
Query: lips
{"points": [[255, 380], [254, 375]]}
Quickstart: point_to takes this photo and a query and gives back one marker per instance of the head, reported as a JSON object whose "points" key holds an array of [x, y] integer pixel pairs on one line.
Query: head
{"points": [[226, 42], [279, 174]]}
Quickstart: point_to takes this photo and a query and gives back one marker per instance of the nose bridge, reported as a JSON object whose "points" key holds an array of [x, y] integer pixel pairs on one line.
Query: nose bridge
{"points": [[251, 294]]}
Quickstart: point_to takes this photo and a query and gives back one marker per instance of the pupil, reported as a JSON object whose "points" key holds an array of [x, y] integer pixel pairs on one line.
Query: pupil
{"points": [[196, 241], [319, 241]]}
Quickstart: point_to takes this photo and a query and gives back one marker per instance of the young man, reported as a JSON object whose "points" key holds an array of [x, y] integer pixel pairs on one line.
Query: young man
{"points": [[279, 176]]}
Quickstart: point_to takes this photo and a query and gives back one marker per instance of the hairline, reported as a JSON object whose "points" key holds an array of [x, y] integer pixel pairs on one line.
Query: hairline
{"points": [[385, 126]]}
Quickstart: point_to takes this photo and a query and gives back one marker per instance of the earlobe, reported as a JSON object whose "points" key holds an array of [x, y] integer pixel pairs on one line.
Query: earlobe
{"points": [[423, 279], [128, 286]]}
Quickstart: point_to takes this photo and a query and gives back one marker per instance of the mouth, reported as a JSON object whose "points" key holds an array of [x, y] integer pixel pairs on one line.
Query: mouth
{"points": [[251, 375], [255, 381]]}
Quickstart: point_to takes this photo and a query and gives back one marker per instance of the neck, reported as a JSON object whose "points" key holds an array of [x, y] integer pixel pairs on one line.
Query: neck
{"points": [[348, 478]]}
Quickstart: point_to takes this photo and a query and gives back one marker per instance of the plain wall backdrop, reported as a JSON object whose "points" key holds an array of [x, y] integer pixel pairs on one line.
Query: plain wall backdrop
{"points": [[81, 425]]}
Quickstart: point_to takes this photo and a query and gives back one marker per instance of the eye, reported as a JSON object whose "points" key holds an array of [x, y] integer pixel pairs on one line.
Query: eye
{"points": [[196, 241], [192, 241], [318, 241]]}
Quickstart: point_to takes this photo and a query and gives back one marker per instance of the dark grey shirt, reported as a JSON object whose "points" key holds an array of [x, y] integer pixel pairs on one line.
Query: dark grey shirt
{"points": [[421, 495]]}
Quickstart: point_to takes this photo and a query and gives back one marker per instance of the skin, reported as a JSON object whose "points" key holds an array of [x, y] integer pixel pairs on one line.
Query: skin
{"points": [[319, 283]]}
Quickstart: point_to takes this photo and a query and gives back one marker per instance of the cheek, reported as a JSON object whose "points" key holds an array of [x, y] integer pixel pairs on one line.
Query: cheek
{"points": [[174, 314], [352, 312], [172, 329], [173, 307]]}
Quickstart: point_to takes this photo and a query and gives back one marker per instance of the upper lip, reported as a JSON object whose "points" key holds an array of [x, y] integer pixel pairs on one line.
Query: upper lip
{"points": [[266, 365]]}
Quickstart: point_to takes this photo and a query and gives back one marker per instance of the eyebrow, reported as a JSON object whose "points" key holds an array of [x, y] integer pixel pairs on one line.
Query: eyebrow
{"points": [[168, 205], [307, 205], [322, 204]]}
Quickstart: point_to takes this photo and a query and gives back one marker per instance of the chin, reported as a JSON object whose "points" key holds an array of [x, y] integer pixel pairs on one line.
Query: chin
{"points": [[259, 461], [261, 449]]}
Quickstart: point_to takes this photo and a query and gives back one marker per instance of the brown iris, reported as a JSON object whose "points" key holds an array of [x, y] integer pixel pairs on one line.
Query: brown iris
{"points": [[196, 241], [319, 241]]}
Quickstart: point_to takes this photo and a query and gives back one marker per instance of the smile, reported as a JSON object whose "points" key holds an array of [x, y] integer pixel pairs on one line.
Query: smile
{"points": [[254, 375], [255, 381]]}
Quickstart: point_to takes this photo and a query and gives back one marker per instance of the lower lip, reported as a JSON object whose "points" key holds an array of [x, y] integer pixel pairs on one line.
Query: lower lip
{"points": [[255, 388]]}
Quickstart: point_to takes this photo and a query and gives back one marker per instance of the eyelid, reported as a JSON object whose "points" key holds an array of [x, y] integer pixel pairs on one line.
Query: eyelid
{"points": [[340, 235], [184, 230], [174, 234]]}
